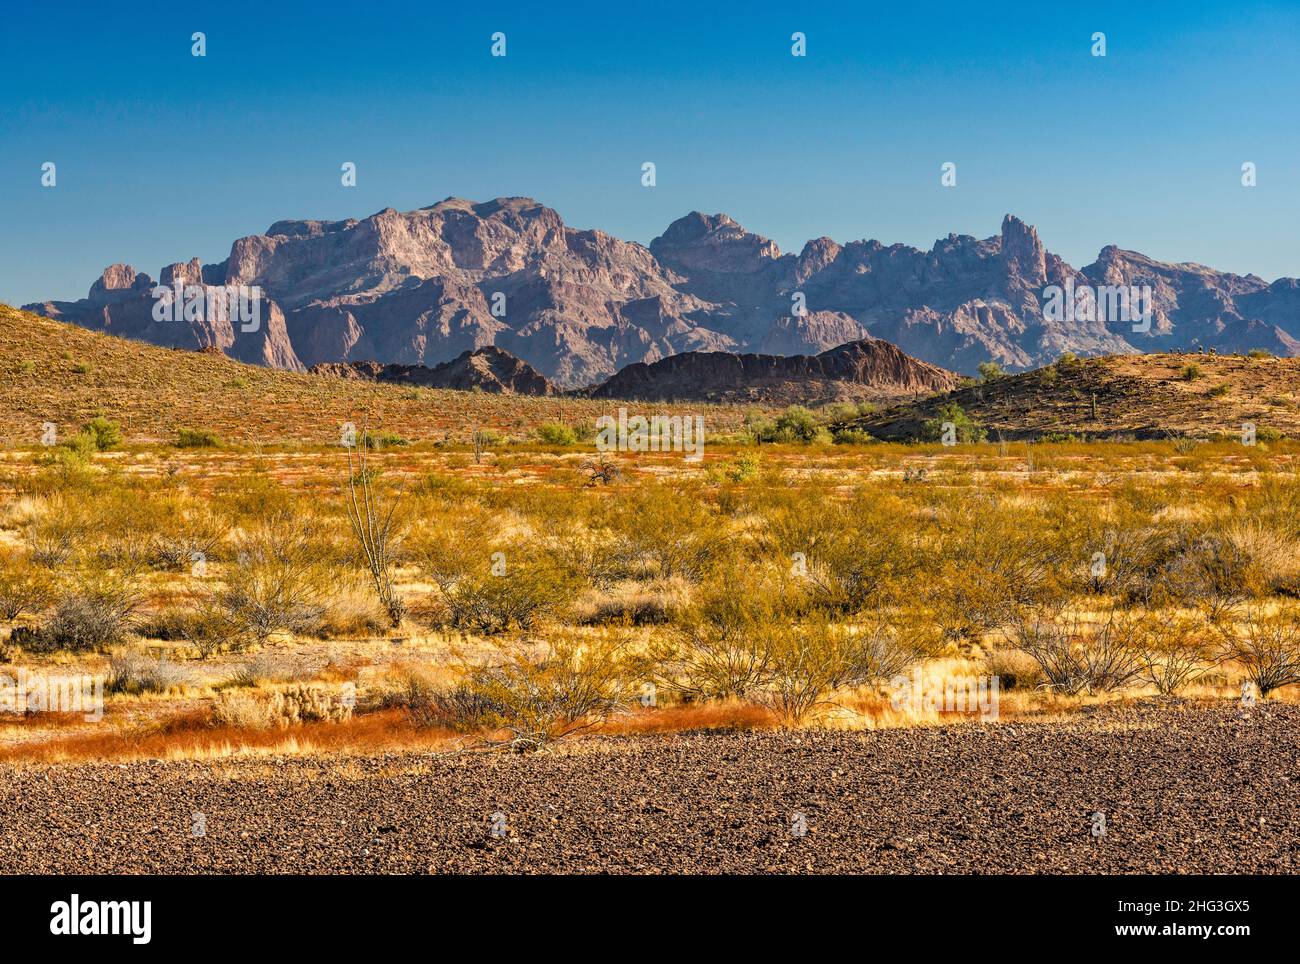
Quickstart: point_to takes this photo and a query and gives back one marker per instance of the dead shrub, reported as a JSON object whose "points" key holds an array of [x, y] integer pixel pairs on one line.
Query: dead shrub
{"points": [[542, 694], [1078, 657], [1267, 646], [94, 614], [1176, 650]]}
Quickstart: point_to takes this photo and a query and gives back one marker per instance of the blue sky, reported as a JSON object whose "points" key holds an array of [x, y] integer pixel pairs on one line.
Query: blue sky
{"points": [[162, 156]]}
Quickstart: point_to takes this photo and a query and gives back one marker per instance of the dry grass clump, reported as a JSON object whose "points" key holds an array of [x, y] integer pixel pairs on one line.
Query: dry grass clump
{"points": [[282, 708], [267, 668], [348, 613], [633, 603], [134, 673], [1014, 668]]}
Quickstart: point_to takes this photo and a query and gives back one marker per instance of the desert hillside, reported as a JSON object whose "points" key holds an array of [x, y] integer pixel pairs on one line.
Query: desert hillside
{"points": [[51, 371], [1145, 396]]}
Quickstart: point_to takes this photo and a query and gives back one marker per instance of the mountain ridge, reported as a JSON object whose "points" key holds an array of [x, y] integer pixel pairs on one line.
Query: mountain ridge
{"points": [[424, 286]]}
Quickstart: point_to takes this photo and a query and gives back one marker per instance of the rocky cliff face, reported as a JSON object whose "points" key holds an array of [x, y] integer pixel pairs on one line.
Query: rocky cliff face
{"points": [[121, 302], [423, 287]]}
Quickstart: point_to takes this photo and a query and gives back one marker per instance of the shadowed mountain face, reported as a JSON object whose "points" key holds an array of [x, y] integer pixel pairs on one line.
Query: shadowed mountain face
{"points": [[484, 369], [421, 288], [867, 370]]}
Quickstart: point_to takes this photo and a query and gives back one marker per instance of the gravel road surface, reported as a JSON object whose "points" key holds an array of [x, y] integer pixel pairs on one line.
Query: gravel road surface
{"points": [[1183, 789]]}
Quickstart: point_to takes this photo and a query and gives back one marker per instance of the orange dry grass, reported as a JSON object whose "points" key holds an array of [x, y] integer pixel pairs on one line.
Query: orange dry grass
{"points": [[40, 721], [191, 736], [694, 716]]}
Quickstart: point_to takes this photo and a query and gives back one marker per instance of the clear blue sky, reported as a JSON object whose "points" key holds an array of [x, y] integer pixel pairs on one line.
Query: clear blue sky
{"points": [[162, 156]]}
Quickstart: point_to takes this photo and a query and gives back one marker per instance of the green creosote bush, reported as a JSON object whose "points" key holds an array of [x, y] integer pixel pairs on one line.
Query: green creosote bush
{"points": [[107, 435], [852, 436], [796, 424], [965, 428], [25, 588], [197, 438], [556, 433]]}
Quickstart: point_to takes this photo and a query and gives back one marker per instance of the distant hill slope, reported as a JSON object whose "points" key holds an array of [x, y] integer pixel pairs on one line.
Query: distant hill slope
{"points": [[486, 369], [1148, 396], [868, 370], [52, 371]]}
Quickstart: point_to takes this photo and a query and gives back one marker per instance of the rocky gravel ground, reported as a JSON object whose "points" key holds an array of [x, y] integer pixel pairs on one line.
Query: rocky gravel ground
{"points": [[1183, 789]]}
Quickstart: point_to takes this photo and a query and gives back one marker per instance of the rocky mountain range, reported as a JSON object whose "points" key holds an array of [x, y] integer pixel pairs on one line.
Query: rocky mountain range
{"points": [[424, 287]]}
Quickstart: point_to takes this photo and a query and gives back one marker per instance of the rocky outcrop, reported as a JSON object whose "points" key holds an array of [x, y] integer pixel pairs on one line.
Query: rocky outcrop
{"points": [[486, 369], [420, 288], [866, 370], [122, 302]]}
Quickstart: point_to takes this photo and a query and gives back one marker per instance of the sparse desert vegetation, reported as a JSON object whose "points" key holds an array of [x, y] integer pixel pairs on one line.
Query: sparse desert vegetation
{"points": [[510, 602], [369, 583]]}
